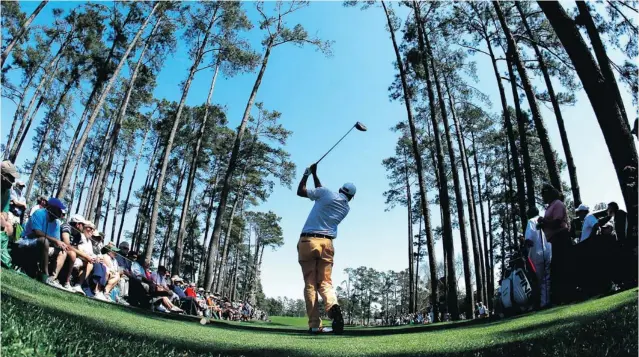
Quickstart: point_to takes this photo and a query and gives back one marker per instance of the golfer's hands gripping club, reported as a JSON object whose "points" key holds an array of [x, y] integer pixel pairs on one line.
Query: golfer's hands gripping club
{"points": [[311, 170]]}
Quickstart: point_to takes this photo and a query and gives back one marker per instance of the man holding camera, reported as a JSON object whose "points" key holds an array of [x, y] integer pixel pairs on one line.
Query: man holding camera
{"points": [[315, 248]]}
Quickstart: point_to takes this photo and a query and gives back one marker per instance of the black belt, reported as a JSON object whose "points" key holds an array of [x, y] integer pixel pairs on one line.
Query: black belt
{"points": [[315, 235]]}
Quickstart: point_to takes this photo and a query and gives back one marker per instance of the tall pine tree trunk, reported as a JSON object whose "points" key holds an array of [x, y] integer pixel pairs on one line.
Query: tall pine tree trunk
{"points": [[411, 273], [605, 103], [117, 197], [177, 259], [219, 281], [169, 229], [477, 259], [226, 182], [148, 250], [416, 154], [570, 162], [108, 207], [64, 182], [457, 189], [22, 32], [523, 140], [542, 132], [18, 143], [599, 49]]}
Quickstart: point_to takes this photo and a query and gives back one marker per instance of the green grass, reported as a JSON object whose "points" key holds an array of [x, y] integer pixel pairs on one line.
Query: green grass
{"points": [[41, 321]]}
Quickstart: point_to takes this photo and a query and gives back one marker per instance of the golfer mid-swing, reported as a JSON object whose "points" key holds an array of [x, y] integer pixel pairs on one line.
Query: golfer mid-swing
{"points": [[315, 248]]}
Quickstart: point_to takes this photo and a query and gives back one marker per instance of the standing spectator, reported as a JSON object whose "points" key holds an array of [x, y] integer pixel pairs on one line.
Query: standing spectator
{"points": [[540, 253], [42, 202], [18, 203], [482, 310], [588, 227], [42, 237], [556, 228]]}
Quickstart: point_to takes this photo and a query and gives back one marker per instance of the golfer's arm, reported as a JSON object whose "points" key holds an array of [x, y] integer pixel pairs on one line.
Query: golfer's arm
{"points": [[301, 188], [316, 181]]}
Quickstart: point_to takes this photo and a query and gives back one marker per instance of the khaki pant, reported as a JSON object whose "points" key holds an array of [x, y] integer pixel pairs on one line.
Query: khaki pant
{"points": [[315, 255]]}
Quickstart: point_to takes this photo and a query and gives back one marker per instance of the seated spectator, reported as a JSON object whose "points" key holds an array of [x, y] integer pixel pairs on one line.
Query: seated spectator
{"points": [[124, 266], [71, 233], [161, 291], [113, 277], [84, 264], [188, 304], [18, 204], [41, 240], [190, 291], [42, 203]]}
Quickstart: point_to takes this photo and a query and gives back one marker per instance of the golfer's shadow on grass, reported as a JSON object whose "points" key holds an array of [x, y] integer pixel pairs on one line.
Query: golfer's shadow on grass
{"points": [[372, 331]]}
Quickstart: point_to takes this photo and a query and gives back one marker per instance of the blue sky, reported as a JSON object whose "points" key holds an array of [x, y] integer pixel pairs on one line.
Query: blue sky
{"points": [[320, 98]]}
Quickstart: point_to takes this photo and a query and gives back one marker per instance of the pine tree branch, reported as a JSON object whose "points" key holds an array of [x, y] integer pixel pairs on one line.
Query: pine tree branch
{"points": [[623, 15]]}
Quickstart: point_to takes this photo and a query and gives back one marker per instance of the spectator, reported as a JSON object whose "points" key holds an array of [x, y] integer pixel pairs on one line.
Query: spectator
{"points": [[41, 238], [188, 304], [124, 265], [97, 242], [18, 204], [85, 264], [556, 228], [113, 270], [540, 253], [9, 175], [190, 291], [70, 233], [42, 203], [162, 292], [589, 222], [482, 310]]}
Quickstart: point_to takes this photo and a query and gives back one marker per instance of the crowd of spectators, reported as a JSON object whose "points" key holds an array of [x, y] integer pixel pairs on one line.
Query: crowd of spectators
{"points": [[70, 254]]}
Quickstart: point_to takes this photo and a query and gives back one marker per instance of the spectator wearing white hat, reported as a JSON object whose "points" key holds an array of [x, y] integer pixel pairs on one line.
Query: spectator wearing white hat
{"points": [[18, 203], [315, 248], [583, 212]]}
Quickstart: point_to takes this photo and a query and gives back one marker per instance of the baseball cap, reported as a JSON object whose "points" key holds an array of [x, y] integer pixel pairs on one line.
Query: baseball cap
{"points": [[109, 248], [9, 169], [582, 207], [54, 202], [124, 245], [76, 218], [349, 189], [98, 234], [89, 224], [176, 278]]}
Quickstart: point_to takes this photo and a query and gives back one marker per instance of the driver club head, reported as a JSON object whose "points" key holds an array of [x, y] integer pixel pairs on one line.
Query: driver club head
{"points": [[359, 126]]}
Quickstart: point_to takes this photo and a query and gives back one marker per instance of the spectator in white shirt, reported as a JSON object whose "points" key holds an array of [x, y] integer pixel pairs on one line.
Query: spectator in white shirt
{"points": [[42, 203], [589, 222], [18, 202], [540, 252]]}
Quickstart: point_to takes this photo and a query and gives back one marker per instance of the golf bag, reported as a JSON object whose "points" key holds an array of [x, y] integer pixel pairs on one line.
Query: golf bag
{"points": [[517, 288]]}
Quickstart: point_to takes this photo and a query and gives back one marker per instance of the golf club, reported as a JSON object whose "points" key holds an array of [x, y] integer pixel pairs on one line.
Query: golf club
{"points": [[359, 126]]}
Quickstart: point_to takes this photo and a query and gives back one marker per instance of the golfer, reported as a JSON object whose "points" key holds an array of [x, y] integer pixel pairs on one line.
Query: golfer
{"points": [[315, 248]]}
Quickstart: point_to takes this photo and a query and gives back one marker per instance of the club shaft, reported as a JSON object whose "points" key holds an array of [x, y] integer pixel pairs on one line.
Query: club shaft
{"points": [[329, 150]]}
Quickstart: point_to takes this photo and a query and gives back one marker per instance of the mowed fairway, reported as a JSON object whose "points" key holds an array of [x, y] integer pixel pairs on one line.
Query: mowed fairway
{"points": [[41, 321]]}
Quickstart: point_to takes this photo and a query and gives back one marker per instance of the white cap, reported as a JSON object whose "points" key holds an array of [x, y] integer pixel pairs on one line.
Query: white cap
{"points": [[582, 207], [349, 189], [76, 218]]}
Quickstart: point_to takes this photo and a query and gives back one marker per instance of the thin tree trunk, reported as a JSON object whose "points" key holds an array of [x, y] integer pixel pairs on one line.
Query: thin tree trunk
{"points": [[489, 254], [411, 278], [78, 148], [52, 68], [36, 162], [207, 226], [125, 206], [148, 250], [18, 114], [226, 183], [219, 281], [23, 31], [509, 131], [599, 49], [523, 140], [112, 143], [478, 264], [177, 260], [605, 103], [108, 207], [117, 197], [18, 143], [447, 234], [549, 155], [510, 200], [570, 162], [169, 229], [417, 256], [145, 188]]}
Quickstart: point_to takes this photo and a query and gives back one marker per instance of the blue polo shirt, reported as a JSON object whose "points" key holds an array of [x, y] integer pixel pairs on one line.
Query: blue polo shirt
{"points": [[40, 221]]}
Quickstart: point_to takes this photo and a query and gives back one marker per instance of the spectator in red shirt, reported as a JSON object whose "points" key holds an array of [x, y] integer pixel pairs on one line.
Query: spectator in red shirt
{"points": [[190, 291]]}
